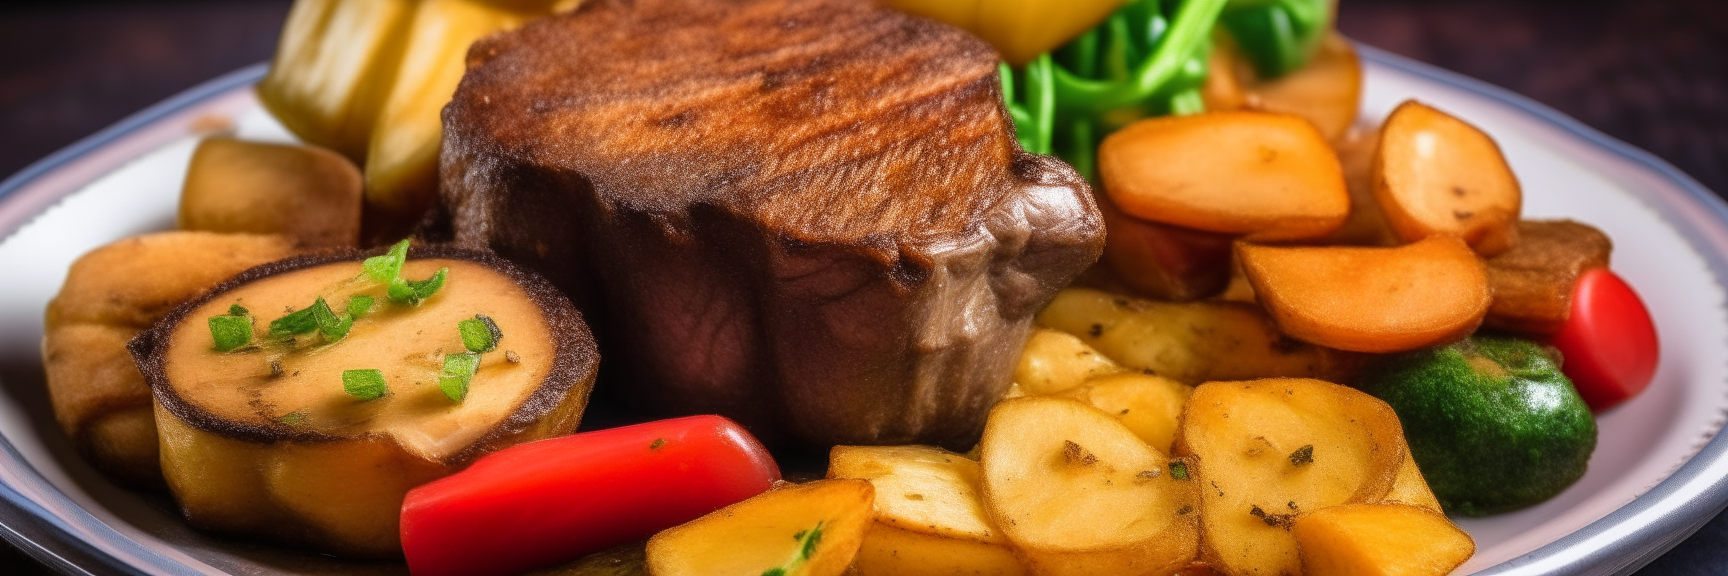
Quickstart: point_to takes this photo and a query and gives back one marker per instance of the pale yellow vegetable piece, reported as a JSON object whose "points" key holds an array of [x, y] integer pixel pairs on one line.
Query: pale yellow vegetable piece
{"points": [[1436, 174], [1380, 540], [1054, 361], [1019, 29], [333, 68], [1151, 406], [1078, 493], [1409, 487], [771, 530], [930, 519], [303, 192], [1190, 342], [1268, 176], [1272, 450], [1371, 299]]}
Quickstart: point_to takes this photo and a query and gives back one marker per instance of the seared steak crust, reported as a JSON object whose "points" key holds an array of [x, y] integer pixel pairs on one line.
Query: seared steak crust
{"points": [[809, 215]]}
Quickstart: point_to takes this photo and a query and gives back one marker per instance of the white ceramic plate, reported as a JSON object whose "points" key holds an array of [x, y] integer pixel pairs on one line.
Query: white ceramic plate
{"points": [[1656, 476]]}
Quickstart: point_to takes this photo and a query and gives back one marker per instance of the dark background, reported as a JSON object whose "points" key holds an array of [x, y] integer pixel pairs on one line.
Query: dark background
{"points": [[1651, 72]]}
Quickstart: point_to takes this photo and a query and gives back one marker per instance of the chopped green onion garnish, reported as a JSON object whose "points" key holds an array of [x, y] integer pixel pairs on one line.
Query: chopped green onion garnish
{"points": [[459, 370], [479, 334], [331, 326], [412, 292], [387, 267], [230, 332], [359, 305], [238, 310], [366, 384], [295, 323]]}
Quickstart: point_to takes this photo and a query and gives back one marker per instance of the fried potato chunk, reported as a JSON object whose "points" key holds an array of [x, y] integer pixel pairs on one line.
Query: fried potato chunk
{"points": [[1151, 406], [1054, 361], [1380, 540], [930, 520], [110, 295], [1436, 174], [1533, 282], [303, 192], [810, 529]]}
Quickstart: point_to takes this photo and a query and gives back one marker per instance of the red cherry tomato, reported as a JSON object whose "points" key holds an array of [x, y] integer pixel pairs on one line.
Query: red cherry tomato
{"points": [[1609, 342], [545, 502]]}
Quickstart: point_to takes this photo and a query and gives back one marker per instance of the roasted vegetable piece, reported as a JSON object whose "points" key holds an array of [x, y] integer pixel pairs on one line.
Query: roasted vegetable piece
{"points": [[1371, 299], [1079, 494], [1380, 540], [112, 293], [1534, 281], [1411, 488], [1278, 36], [549, 501], [1163, 261], [1019, 29], [306, 193], [332, 69], [1053, 361], [1491, 421], [1151, 406], [797, 530], [1608, 343], [1272, 450], [1190, 342], [929, 518], [1436, 174], [312, 434]]}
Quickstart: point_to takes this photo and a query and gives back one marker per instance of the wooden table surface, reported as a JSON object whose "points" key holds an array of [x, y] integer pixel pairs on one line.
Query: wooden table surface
{"points": [[1653, 73]]}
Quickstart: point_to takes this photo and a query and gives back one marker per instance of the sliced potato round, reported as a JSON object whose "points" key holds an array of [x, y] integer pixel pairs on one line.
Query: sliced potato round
{"points": [[1151, 406], [1371, 299], [1271, 177], [1436, 174], [300, 191], [930, 518], [1079, 493], [1381, 540], [1054, 361], [1411, 488], [1271, 450], [809, 529]]}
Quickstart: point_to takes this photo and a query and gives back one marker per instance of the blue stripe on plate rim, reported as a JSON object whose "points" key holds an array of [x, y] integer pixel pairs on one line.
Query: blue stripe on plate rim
{"points": [[57, 544]]}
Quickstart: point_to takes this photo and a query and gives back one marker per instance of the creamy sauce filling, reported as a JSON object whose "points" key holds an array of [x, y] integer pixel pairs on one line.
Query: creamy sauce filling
{"points": [[407, 343]]}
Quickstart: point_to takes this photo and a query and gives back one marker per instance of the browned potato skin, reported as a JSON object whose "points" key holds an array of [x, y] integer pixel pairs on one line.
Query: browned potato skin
{"points": [[1467, 190], [110, 295], [303, 192], [1533, 281], [1164, 261], [1327, 92]]}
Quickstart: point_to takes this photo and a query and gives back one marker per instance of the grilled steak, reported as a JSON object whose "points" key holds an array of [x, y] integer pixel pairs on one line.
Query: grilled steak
{"points": [[809, 215]]}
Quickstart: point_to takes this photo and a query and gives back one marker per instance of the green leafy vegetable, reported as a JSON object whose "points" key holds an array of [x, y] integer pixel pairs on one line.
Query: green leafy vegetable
{"points": [[365, 384], [459, 370], [1277, 36], [479, 334], [231, 332]]}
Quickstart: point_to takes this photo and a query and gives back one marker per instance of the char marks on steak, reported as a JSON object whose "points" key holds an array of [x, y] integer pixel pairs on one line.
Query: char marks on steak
{"points": [[809, 215]]}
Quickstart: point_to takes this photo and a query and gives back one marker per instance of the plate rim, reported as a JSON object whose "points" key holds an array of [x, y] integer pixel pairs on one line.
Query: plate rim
{"points": [[56, 545]]}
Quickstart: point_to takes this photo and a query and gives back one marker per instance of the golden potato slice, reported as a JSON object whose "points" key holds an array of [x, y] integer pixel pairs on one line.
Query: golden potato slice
{"points": [[809, 529], [1367, 224], [1054, 361], [1436, 174], [303, 192], [1380, 540], [1190, 342], [1409, 487], [1163, 261], [1079, 493], [1271, 450], [1151, 406], [929, 517], [332, 69], [1271, 177], [1371, 299], [1533, 282], [1327, 91]]}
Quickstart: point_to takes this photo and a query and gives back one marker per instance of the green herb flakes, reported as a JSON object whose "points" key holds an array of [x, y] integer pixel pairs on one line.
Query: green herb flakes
{"points": [[359, 305], [1302, 456], [479, 334], [388, 267], [458, 374], [1179, 470], [294, 324], [331, 326], [238, 310], [413, 292], [231, 332], [365, 384]]}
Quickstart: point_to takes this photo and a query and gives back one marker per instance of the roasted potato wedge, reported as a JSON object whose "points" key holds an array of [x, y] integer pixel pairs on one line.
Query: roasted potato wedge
{"points": [[1436, 174], [1163, 261], [1411, 488], [809, 529], [1371, 299], [1270, 177], [110, 295], [1367, 224], [303, 192], [1271, 450], [1053, 361], [1190, 342], [930, 519], [1151, 406], [1380, 540], [1533, 282], [1078, 493]]}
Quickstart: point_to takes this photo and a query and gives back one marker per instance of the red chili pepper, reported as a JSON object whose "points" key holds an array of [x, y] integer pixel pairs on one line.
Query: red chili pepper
{"points": [[544, 502], [1609, 341]]}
